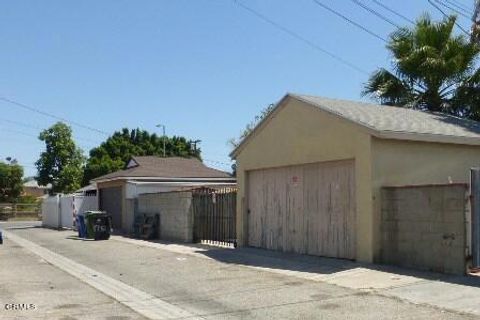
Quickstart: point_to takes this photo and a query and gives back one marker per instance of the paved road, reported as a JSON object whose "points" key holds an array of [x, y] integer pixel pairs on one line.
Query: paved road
{"points": [[49, 293], [216, 287]]}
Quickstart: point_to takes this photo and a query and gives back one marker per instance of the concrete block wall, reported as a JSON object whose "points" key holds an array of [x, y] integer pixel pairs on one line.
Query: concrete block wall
{"points": [[129, 218], [423, 227], [176, 215]]}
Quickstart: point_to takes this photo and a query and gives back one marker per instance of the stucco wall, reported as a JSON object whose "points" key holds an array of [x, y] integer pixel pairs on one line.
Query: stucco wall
{"points": [[299, 133], [424, 227], [176, 215], [397, 163]]}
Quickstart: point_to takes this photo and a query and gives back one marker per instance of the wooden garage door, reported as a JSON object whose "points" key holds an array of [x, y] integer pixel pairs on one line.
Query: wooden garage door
{"points": [[305, 209]]}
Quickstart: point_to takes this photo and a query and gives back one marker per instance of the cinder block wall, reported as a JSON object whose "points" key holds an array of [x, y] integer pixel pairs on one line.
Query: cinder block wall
{"points": [[176, 215], [129, 216], [423, 227]]}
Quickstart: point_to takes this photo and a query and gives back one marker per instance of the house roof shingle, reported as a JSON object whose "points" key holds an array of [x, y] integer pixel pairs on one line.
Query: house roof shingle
{"points": [[395, 119], [389, 122], [172, 167]]}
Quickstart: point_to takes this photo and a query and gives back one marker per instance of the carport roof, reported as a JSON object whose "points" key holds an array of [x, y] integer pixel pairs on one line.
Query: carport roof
{"points": [[390, 122], [170, 168]]}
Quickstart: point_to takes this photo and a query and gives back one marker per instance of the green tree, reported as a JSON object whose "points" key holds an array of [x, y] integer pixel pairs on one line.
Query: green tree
{"points": [[433, 70], [11, 183], [113, 154], [62, 162], [234, 142]]}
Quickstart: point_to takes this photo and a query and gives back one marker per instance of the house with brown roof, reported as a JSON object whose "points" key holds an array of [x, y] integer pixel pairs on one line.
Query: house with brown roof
{"points": [[32, 188], [118, 190]]}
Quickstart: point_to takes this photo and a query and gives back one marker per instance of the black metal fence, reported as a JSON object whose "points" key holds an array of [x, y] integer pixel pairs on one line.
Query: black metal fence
{"points": [[214, 212]]}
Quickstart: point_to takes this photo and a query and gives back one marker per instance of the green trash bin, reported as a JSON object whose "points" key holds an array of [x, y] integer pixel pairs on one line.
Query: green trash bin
{"points": [[89, 234], [99, 225]]}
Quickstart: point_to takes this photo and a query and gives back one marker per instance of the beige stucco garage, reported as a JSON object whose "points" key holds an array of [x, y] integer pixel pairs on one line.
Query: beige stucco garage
{"points": [[310, 174]]}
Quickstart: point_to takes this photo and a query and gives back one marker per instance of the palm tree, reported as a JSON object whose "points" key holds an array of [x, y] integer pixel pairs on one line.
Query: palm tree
{"points": [[433, 70]]}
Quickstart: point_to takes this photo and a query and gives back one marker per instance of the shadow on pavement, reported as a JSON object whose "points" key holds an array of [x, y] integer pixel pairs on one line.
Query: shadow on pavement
{"points": [[279, 260], [78, 238], [322, 265], [314, 265]]}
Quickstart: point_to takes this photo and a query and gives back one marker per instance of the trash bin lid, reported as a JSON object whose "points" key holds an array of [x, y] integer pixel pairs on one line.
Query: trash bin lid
{"points": [[95, 213]]}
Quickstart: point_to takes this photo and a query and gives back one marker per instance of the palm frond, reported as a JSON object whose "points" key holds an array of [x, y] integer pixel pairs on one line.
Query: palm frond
{"points": [[387, 88]]}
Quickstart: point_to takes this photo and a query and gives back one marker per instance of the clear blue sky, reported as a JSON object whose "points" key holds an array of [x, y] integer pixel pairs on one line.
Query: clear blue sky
{"points": [[204, 68]]}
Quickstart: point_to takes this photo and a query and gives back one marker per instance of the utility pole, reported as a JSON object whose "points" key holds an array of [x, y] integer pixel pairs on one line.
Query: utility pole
{"points": [[475, 33], [164, 137], [195, 145]]}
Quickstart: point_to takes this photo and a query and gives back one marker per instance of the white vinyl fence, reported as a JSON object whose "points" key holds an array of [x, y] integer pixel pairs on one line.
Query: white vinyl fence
{"points": [[59, 211], [50, 212]]}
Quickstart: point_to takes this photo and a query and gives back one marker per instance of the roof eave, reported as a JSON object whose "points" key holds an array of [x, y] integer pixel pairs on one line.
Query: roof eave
{"points": [[427, 137], [166, 179]]}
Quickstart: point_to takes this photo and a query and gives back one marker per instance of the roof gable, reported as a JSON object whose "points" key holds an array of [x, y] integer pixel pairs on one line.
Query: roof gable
{"points": [[131, 163], [386, 121]]}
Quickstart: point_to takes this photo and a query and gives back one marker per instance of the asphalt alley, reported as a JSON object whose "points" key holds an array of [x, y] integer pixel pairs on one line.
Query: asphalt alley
{"points": [[159, 283]]}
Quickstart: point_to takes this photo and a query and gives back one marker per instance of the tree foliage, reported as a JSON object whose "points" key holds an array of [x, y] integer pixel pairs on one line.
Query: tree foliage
{"points": [[113, 154], [61, 164], [433, 69], [11, 183], [234, 142]]}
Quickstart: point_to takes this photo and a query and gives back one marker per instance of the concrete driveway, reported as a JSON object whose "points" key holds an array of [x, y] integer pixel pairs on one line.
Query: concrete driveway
{"points": [[168, 281]]}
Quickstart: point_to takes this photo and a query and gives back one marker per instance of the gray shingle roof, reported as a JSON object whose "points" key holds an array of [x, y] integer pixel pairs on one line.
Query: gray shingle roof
{"points": [[172, 167], [395, 119], [388, 122]]}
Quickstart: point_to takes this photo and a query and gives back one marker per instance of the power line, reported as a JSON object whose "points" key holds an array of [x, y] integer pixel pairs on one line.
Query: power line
{"points": [[19, 132], [295, 35], [21, 124], [446, 16], [358, 25], [375, 13], [218, 162], [84, 146], [27, 165], [452, 9], [219, 165], [459, 6], [26, 107], [32, 126], [393, 11]]}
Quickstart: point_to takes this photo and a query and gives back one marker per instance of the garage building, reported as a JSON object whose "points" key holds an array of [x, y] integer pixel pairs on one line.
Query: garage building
{"points": [[310, 174], [118, 190]]}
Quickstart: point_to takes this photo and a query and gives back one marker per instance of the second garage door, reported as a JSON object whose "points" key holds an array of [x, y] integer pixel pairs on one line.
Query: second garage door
{"points": [[111, 202], [305, 209]]}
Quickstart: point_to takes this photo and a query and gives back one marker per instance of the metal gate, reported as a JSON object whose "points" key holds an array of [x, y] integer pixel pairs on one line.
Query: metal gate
{"points": [[214, 212]]}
